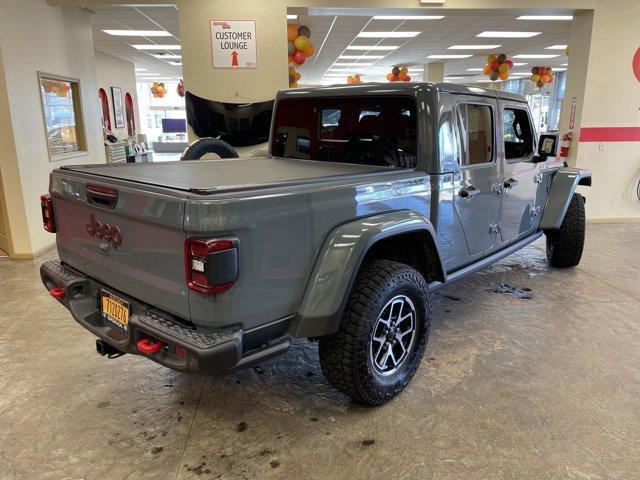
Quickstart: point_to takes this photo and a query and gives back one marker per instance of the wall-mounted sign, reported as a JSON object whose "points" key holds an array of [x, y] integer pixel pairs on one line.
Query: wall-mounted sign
{"points": [[233, 44]]}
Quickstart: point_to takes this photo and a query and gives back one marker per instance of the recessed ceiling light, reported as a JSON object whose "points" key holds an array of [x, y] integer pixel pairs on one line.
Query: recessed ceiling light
{"points": [[156, 47], [388, 34], [167, 56], [495, 34], [292, 17], [138, 33], [408, 17], [356, 57], [371, 47], [473, 47], [535, 55], [556, 47], [545, 17], [449, 56]]}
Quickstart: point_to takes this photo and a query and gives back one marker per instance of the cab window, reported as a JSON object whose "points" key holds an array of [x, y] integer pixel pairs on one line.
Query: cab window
{"points": [[477, 133], [518, 134]]}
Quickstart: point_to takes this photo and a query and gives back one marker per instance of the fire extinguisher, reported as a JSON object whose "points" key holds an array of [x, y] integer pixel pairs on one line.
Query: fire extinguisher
{"points": [[564, 146]]}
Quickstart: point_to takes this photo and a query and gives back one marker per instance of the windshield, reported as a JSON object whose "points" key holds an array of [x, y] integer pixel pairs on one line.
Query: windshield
{"points": [[361, 130]]}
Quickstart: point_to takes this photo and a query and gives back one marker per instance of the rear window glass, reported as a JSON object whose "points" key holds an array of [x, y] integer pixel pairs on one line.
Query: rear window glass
{"points": [[361, 130]]}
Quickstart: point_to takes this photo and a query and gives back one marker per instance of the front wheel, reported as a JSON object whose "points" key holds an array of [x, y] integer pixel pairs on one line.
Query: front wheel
{"points": [[565, 245], [382, 336]]}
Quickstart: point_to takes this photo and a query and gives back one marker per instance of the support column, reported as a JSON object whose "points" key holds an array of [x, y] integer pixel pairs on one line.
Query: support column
{"points": [[433, 72]]}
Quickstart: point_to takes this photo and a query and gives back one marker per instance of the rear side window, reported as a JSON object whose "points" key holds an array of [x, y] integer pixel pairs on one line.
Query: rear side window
{"points": [[361, 130], [477, 133], [518, 134]]}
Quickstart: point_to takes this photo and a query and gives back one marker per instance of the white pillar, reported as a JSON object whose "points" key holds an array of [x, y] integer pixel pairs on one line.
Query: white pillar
{"points": [[433, 72]]}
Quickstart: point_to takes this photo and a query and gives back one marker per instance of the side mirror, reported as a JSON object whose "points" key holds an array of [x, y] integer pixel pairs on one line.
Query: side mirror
{"points": [[547, 147]]}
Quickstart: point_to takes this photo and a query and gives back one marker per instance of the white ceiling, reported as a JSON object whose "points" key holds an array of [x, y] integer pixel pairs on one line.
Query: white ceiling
{"points": [[157, 17], [332, 30]]}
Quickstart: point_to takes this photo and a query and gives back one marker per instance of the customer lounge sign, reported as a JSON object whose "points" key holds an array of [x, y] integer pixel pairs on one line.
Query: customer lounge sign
{"points": [[234, 44]]}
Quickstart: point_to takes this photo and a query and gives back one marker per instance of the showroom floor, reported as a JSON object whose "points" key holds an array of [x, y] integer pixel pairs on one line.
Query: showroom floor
{"points": [[510, 388]]}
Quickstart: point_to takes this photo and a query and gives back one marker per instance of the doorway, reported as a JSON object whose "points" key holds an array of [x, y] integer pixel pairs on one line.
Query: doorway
{"points": [[131, 120]]}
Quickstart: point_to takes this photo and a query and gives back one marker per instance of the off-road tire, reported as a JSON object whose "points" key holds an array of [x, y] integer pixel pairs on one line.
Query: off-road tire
{"points": [[201, 147], [565, 245], [345, 356]]}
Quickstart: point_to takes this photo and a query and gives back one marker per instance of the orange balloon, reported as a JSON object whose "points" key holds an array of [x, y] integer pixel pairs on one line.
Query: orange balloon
{"points": [[544, 78], [390, 77], [292, 32], [402, 75], [310, 50], [290, 59], [504, 75], [487, 69]]}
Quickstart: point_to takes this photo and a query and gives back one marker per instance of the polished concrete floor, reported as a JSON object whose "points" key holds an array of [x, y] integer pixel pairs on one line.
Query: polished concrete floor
{"points": [[510, 388]]}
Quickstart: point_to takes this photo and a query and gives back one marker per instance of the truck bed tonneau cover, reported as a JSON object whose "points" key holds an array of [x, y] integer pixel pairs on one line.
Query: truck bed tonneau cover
{"points": [[209, 176]]}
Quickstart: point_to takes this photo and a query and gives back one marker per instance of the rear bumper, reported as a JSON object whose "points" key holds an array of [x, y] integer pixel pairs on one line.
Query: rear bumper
{"points": [[186, 349]]}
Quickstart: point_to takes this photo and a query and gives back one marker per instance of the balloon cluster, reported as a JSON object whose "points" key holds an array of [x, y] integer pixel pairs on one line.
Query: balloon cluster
{"points": [[353, 79], [60, 89], [180, 88], [541, 76], [158, 90], [299, 47], [399, 74], [294, 76], [497, 67]]}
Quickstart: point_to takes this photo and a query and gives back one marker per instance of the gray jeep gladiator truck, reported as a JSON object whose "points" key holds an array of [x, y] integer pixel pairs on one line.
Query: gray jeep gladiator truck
{"points": [[371, 197]]}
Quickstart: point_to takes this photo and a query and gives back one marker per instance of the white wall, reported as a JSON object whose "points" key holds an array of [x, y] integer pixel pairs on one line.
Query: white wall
{"points": [[37, 37], [114, 72]]}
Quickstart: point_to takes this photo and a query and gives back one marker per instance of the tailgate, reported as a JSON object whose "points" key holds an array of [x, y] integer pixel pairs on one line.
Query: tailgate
{"points": [[141, 250]]}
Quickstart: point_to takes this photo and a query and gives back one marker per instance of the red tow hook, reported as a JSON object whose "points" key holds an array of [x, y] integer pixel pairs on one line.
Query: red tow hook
{"points": [[148, 346], [57, 292]]}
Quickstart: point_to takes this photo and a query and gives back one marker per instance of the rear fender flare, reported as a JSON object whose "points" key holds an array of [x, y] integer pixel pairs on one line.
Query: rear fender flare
{"points": [[563, 186], [338, 263]]}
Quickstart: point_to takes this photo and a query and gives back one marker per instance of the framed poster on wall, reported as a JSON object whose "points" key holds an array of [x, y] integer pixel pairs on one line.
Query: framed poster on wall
{"points": [[118, 107]]}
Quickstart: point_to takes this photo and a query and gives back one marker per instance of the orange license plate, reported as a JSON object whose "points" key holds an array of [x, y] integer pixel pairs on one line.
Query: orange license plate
{"points": [[115, 309]]}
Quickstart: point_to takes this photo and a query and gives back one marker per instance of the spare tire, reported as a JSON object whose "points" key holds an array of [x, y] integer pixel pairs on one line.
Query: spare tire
{"points": [[201, 147]]}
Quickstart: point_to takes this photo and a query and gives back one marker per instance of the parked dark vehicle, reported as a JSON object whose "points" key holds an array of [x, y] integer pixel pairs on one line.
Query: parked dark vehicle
{"points": [[372, 197]]}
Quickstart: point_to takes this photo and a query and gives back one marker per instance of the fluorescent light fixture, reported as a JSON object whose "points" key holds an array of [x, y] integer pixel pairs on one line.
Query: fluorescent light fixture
{"points": [[519, 64], [453, 78], [372, 47], [449, 56], [495, 34], [140, 69], [473, 47], [137, 33], [408, 17], [388, 34], [348, 64], [545, 17], [168, 57], [357, 57], [176, 63], [157, 47], [292, 17], [535, 55], [562, 64], [476, 69], [559, 69], [556, 47]]}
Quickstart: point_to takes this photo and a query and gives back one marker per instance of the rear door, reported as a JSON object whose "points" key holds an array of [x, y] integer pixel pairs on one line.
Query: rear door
{"points": [[477, 200], [519, 181], [128, 236]]}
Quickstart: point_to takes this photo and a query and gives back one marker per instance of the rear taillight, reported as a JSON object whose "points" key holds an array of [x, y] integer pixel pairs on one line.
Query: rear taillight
{"points": [[211, 265], [48, 222]]}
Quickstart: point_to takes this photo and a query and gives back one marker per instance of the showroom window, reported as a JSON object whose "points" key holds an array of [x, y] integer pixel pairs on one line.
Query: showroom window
{"points": [[518, 135], [365, 130], [477, 128], [62, 113]]}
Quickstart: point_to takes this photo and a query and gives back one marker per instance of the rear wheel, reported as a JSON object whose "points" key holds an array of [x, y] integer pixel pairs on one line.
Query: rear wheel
{"points": [[382, 336], [565, 245]]}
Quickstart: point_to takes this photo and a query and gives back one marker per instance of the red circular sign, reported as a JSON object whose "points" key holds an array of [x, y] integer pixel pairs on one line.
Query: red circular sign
{"points": [[636, 64]]}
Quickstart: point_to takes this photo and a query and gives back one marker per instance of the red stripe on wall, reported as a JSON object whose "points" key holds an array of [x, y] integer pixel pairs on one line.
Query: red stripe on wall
{"points": [[610, 134]]}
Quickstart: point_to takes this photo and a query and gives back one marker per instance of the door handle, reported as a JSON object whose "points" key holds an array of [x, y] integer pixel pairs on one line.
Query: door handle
{"points": [[510, 183], [468, 192]]}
